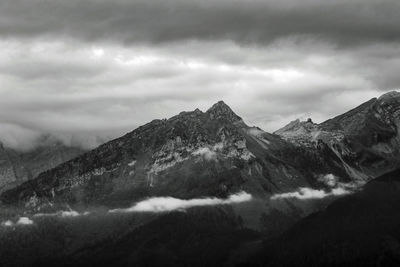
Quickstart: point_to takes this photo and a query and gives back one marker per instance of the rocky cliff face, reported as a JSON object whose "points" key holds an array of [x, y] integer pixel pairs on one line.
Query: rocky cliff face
{"points": [[365, 139], [17, 167]]}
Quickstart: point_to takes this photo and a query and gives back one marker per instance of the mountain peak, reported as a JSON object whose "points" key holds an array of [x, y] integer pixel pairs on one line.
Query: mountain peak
{"points": [[222, 110], [390, 95], [220, 104]]}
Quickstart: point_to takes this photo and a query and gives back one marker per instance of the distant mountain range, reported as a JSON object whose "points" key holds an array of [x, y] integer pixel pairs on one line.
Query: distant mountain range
{"points": [[290, 174], [18, 166]]}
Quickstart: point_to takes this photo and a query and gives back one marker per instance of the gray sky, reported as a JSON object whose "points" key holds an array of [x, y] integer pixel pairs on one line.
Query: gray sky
{"points": [[79, 69]]}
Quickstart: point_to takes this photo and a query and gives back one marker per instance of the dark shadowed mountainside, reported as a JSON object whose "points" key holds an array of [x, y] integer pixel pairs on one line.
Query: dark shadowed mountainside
{"points": [[358, 230]]}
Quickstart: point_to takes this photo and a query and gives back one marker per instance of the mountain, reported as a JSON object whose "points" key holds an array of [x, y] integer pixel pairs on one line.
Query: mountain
{"points": [[191, 155], [206, 189], [366, 139], [188, 157], [362, 229], [17, 166]]}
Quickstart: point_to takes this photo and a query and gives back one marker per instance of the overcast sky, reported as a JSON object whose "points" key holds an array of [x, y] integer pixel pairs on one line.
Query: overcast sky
{"points": [[87, 68]]}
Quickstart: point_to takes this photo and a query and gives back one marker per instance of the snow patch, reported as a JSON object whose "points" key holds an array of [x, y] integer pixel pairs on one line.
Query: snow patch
{"points": [[164, 204]]}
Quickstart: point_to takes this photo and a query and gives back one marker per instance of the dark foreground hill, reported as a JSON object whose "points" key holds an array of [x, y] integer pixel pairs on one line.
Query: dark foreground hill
{"points": [[358, 230]]}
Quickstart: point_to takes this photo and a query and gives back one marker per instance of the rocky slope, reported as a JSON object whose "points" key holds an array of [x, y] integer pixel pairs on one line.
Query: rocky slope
{"points": [[17, 167], [366, 138]]}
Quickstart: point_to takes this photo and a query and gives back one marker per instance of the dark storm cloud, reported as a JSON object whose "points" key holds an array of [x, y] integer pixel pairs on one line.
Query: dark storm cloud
{"points": [[101, 68], [254, 21]]}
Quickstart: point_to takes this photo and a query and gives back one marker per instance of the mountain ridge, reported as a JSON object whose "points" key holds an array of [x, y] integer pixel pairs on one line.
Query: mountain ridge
{"points": [[193, 154], [366, 137]]}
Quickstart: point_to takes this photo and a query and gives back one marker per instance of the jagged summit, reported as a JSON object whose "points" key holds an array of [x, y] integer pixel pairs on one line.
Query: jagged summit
{"points": [[222, 110], [220, 105], [301, 132], [390, 95], [296, 125], [219, 110]]}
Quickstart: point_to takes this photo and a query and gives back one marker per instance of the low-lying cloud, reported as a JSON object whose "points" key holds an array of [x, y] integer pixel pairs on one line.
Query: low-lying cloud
{"points": [[62, 214], [164, 204], [305, 193], [208, 153], [24, 221], [331, 181], [21, 221]]}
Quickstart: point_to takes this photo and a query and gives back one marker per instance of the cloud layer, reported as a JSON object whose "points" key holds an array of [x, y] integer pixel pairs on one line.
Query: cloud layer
{"points": [[164, 204], [262, 21], [83, 69]]}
